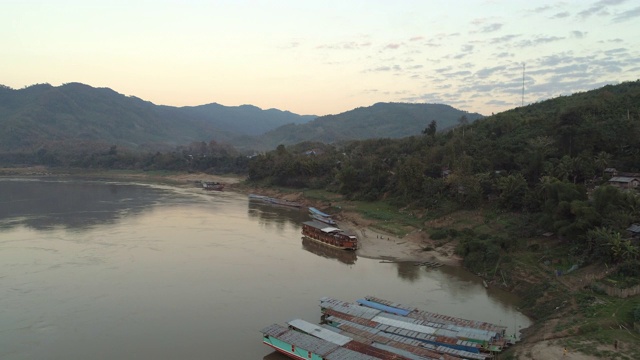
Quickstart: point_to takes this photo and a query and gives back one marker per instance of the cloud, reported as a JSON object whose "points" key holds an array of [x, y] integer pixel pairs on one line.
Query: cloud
{"points": [[491, 28], [499, 102], [503, 55], [347, 45], [541, 9], [502, 39], [627, 15], [442, 70], [599, 8], [416, 38], [486, 72], [385, 68], [539, 40], [616, 51], [393, 46], [578, 34], [561, 15]]}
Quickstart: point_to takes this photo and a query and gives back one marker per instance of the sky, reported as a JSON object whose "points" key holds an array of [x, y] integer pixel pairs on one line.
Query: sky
{"points": [[323, 57]]}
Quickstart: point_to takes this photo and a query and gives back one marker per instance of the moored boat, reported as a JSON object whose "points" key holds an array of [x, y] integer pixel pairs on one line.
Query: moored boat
{"points": [[323, 219], [275, 201], [380, 329], [315, 211], [212, 185], [329, 235]]}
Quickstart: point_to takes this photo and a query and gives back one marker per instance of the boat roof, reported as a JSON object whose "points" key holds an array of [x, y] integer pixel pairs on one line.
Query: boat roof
{"points": [[318, 212], [323, 348], [322, 226], [319, 332]]}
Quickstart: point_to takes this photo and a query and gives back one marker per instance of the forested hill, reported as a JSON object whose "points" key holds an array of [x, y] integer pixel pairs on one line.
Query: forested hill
{"points": [[78, 116], [382, 120], [75, 117]]}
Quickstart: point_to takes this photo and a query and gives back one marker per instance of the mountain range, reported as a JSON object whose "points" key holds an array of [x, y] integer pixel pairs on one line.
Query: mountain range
{"points": [[78, 116]]}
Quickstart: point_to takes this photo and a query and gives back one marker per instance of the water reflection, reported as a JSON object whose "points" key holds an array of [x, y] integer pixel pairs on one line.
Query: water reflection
{"points": [[274, 215], [408, 271], [343, 256], [44, 204], [275, 356]]}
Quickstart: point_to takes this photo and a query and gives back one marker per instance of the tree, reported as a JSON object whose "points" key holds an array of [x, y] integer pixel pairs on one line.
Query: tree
{"points": [[431, 129], [513, 189]]}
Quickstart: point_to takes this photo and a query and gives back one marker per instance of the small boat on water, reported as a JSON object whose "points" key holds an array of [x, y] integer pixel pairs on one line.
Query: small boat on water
{"points": [[323, 219], [274, 201], [212, 185], [315, 211], [329, 235]]}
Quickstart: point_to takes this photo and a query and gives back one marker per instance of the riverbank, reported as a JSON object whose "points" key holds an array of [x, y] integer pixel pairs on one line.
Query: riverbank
{"points": [[567, 316]]}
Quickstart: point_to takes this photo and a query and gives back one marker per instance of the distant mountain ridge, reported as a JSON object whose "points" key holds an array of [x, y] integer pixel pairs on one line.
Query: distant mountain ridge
{"points": [[76, 116], [381, 120], [75, 113]]}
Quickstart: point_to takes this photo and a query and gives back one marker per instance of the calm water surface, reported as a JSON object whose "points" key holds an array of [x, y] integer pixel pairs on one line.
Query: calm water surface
{"points": [[107, 270]]}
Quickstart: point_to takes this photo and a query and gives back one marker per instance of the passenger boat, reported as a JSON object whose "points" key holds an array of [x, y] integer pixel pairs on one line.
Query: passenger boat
{"points": [[329, 235], [373, 328], [298, 345]]}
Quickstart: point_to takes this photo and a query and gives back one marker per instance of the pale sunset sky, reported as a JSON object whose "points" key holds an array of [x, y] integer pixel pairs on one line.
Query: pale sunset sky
{"points": [[323, 57]]}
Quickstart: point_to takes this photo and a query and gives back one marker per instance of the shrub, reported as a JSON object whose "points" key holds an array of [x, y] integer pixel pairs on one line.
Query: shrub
{"points": [[439, 234]]}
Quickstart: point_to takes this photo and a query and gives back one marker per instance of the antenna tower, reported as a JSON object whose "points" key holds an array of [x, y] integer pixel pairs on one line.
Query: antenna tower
{"points": [[523, 67]]}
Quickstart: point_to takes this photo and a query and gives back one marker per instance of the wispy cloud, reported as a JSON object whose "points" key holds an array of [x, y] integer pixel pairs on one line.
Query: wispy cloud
{"points": [[491, 28], [541, 9], [503, 55], [538, 40], [486, 72], [561, 15], [393, 46], [504, 38], [348, 45], [578, 34], [599, 8], [627, 15]]}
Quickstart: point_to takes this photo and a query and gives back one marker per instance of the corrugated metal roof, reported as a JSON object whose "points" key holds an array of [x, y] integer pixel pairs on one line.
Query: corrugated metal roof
{"points": [[385, 308], [622, 179], [300, 340], [634, 228], [319, 332], [441, 319], [401, 352], [404, 325], [375, 335], [348, 308]]}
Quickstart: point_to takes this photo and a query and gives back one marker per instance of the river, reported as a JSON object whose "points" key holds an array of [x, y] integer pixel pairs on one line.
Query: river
{"points": [[114, 270]]}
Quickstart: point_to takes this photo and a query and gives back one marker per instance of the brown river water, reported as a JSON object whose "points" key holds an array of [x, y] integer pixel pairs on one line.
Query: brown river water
{"points": [[109, 270]]}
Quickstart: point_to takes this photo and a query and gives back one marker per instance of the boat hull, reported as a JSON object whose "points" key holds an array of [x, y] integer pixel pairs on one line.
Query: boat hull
{"points": [[330, 245]]}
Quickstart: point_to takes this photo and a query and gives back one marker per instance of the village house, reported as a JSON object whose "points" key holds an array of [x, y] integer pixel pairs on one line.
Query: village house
{"points": [[624, 182]]}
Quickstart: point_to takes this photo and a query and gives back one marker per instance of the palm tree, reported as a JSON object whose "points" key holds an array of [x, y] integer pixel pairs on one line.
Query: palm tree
{"points": [[602, 160]]}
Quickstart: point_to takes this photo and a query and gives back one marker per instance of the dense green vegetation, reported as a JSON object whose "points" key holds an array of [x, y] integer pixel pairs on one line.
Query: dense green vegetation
{"points": [[545, 161]]}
